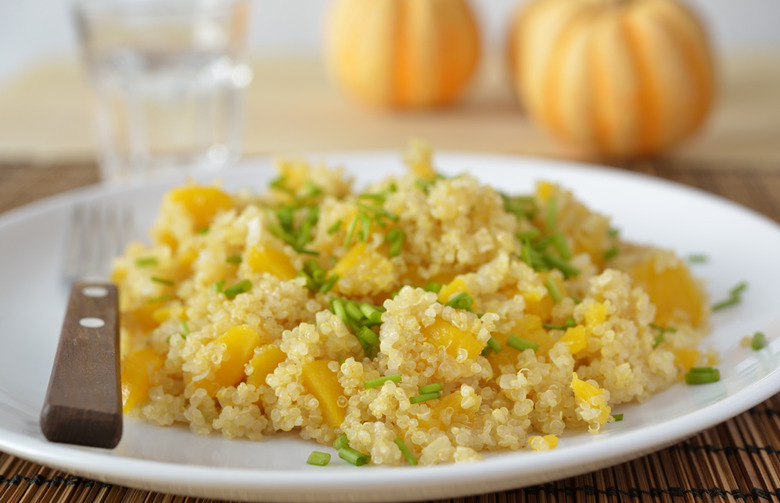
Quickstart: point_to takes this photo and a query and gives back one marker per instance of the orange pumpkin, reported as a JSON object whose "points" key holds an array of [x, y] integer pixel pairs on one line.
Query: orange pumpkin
{"points": [[615, 77], [402, 53]]}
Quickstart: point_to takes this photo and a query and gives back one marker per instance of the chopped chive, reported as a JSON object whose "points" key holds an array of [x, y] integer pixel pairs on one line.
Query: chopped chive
{"points": [[424, 397], [365, 226], [576, 299], [702, 375], [493, 345], [233, 259], [461, 301], [325, 288], [617, 417], [219, 286], [396, 239], [735, 297], [146, 261], [758, 341], [520, 344], [240, 287], [350, 231], [185, 327], [335, 227], [373, 314], [405, 451], [368, 340], [570, 322], [551, 215], [613, 232], [698, 258], [379, 381], [341, 442], [566, 268], [430, 388], [337, 307], [203, 230], [161, 298], [552, 289], [353, 311], [162, 281], [611, 253], [432, 286], [528, 235], [559, 242], [318, 458], [353, 457]]}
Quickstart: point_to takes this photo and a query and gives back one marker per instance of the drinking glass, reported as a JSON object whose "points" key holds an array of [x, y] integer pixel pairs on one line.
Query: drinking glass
{"points": [[169, 81]]}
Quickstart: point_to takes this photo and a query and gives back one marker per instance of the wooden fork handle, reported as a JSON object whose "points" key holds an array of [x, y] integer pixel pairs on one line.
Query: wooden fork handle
{"points": [[83, 402]]}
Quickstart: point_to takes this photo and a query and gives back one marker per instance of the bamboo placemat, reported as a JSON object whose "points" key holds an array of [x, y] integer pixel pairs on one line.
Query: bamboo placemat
{"points": [[738, 460]]}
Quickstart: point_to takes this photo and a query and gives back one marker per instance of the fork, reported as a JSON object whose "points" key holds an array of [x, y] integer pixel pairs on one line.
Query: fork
{"points": [[83, 400]]}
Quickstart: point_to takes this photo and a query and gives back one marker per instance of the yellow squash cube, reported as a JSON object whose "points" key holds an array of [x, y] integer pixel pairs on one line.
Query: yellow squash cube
{"points": [[135, 376], [452, 339], [275, 262], [201, 202], [264, 362], [239, 345], [323, 383]]}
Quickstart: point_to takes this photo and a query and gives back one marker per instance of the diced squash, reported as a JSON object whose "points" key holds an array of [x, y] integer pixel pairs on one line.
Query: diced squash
{"points": [[201, 202], [239, 346], [595, 314], [544, 190], [575, 338], [143, 317], [590, 395], [457, 413], [323, 383], [136, 371], [264, 362], [275, 262], [543, 442], [673, 290], [444, 334], [363, 270], [686, 357]]}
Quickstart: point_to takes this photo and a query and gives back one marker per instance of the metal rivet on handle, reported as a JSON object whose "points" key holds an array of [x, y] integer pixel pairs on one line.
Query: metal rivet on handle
{"points": [[91, 322], [94, 291]]}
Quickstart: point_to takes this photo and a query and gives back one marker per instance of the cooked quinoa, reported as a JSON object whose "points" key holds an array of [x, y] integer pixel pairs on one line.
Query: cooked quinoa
{"points": [[499, 320]]}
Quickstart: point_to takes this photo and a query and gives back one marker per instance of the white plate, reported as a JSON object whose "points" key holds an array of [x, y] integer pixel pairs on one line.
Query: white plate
{"points": [[741, 246]]}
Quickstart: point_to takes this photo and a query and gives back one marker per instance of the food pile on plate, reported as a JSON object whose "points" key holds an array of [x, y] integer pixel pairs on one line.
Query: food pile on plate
{"points": [[421, 319]]}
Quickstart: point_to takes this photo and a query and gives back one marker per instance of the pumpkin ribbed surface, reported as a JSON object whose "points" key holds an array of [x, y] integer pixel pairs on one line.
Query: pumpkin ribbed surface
{"points": [[402, 53], [619, 77]]}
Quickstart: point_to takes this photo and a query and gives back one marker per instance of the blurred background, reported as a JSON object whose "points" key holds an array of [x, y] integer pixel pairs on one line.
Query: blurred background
{"points": [[293, 104]]}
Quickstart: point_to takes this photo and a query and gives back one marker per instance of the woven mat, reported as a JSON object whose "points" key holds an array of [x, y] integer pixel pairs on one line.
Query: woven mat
{"points": [[738, 460]]}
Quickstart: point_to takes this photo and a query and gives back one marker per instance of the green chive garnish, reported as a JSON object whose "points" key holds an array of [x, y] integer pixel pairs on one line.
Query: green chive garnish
{"points": [[335, 227], [613, 232], [758, 341], [702, 375], [185, 327], [430, 388], [396, 239], [240, 287], [697, 258], [551, 215], [379, 381], [341, 442], [432, 286], [405, 451], [219, 286], [203, 230], [611, 253], [461, 301], [552, 289], [493, 345], [559, 241], [424, 397], [735, 297], [617, 417], [234, 259], [146, 261], [566, 268], [352, 456], [318, 458], [528, 235], [162, 281], [520, 344]]}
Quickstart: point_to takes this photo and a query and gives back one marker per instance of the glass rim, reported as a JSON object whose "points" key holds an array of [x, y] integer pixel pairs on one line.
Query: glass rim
{"points": [[153, 7]]}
